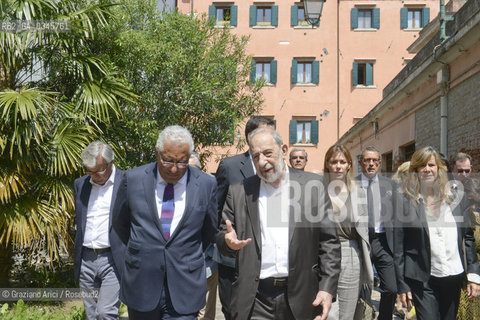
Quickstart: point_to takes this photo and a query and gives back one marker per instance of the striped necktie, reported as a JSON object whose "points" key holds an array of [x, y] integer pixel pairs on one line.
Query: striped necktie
{"points": [[168, 208]]}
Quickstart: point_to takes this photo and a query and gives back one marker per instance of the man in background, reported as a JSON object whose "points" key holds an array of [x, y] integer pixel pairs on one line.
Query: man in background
{"points": [[298, 158], [98, 253]]}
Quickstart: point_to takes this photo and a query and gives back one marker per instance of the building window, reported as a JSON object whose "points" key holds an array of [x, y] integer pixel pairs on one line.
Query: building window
{"points": [[387, 161], [303, 131], [266, 69], [365, 18], [223, 15], [408, 151], [305, 71], [362, 73], [297, 17], [414, 17], [263, 16]]}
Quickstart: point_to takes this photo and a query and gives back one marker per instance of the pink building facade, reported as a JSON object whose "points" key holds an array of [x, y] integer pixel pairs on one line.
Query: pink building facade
{"points": [[322, 79]]}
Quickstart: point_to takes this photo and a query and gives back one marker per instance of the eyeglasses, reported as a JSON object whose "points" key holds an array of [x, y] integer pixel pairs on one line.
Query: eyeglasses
{"points": [[463, 170], [368, 160], [169, 164]]}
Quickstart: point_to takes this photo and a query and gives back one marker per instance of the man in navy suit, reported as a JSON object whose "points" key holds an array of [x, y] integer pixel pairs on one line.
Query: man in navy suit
{"points": [[98, 253], [167, 215], [230, 171]]}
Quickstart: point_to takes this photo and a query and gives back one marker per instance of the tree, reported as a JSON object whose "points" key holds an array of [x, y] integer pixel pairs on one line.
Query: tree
{"points": [[56, 96], [185, 71]]}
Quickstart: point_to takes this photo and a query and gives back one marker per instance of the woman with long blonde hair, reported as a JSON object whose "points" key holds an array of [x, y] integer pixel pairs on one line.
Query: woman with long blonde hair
{"points": [[434, 244], [348, 211]]}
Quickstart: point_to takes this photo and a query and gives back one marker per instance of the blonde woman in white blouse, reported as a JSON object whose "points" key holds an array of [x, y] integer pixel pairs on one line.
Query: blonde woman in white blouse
{"points": [[433, 242]]}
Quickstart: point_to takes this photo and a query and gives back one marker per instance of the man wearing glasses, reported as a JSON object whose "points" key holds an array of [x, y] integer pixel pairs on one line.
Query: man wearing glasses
{"points": [[167, 216], [381, 203], [462, 166], [98, 253]]}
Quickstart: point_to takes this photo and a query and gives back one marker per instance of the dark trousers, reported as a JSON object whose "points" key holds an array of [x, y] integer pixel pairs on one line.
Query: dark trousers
{"points": [[271, 303], [163, 311], [438, 299], [382, 258], [226, 276]]}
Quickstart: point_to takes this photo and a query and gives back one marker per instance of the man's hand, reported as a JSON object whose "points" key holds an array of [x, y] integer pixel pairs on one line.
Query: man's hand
{"points": [[232, 240], [323, 299], [406, 299], [473, 289]]}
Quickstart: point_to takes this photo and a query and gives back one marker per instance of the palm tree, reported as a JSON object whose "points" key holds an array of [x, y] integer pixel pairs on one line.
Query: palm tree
{"points": [[56, 96]]}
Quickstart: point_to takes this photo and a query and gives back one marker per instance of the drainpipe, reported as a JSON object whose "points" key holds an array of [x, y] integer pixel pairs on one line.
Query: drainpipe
{"points": [[443, 78], [338, 70]]}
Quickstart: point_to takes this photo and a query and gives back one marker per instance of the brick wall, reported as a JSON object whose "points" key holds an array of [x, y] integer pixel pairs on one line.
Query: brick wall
{"points": [[463, 121]]}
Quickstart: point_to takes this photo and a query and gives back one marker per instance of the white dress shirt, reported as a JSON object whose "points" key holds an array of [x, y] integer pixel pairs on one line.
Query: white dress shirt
{"points": [[179, 194], [98, 214], [377, 201], [251, 160], [273, 208], [443, 236]]}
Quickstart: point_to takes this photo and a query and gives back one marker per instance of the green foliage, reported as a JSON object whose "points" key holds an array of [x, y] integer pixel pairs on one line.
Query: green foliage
{"points": [[23, 311], [185, 71], [56, 96]]}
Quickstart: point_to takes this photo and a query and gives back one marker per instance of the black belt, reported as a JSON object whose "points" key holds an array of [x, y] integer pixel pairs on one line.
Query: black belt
{"points": [[274, 282], [97, 251]]}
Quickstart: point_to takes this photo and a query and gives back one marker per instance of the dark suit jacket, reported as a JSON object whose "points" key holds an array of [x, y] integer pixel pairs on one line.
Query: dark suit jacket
{"points": [[390, 204], [230, 171], [314, 249], [150, 259], [412, 242], [82, 188]]}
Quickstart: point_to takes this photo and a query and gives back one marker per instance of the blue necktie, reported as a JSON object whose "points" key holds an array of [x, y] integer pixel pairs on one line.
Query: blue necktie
{"points": [[168, 208]]}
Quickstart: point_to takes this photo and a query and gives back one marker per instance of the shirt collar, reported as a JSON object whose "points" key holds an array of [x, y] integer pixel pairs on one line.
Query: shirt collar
{"points": [[108, 182], [365, 180]]}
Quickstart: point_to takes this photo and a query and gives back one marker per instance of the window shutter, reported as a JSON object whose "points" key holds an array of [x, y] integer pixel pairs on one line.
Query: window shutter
{"points": [[274, 124], [274, 16], [253, 16], [369, 73], [425, 16], [253, 73], [212, 12], [273, 71], [294, 16], [315, 72], [354, 18], [355, 74], [233, 15], [294, 71], [404, 18], [314, 133], [293, 131], [376, 18]]}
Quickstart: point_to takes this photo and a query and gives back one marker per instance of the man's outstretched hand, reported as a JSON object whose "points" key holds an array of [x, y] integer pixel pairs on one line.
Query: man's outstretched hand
{"points": [[232, 240]]}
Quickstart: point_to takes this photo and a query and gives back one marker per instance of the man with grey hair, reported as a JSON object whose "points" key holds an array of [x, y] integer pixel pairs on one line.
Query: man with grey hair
{"points": [[167, 216], [462, 166], [276, 223], [298, 158], [98, 253]]}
